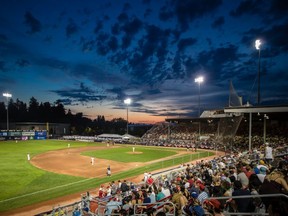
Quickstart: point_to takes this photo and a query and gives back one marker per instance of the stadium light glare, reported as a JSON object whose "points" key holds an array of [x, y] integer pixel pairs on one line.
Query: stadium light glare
{"points": [[7, 95], [258, 44], [199, 79], [127, 102]]}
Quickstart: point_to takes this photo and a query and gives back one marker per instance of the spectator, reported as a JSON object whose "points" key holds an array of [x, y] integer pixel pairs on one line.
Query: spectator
{"points": [[152, 196], [242, 177], [213, 207], [249, 171], [262, 164], [275, 183], [242, 205], [119, 184], [203, 194], [193, 207], [179, 200], [268, 153], [262, 174], [113, 188], [147, 199], [150, 180], [112, 205], [160, 195], [136, 199], [101, 192], [166, 190], [124, 187]]}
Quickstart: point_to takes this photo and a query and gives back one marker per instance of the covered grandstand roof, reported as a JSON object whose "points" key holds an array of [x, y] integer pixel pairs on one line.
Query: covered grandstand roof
{"points": [[257, 109]]}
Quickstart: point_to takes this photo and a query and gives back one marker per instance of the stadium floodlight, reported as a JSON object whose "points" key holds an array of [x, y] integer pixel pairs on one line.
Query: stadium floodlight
{"points": [[199, 80], [257, 46], [127, 102], [7, 95]]}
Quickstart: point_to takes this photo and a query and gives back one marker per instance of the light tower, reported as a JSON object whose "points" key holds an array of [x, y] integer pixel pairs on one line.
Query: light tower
{"points": [[127, 102], [7, 95], [257, 46], [199, 80]]}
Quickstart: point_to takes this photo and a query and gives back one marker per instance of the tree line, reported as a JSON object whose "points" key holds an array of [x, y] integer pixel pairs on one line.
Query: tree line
{"points": [[56, 113]]}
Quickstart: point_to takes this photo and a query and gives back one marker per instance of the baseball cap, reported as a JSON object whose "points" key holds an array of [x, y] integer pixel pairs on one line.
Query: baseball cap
{"points": [[194, 194]]}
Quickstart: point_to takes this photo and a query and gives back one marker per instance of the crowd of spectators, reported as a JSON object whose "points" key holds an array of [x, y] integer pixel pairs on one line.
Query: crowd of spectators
{"points": [[207, 187], [178, 135], [187, 135]]}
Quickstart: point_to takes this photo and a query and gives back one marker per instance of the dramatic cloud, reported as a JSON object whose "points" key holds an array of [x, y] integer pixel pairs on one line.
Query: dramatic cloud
{"points": [[247, 7], [185, 43], [218, 22], [187, 11], [71, 28], [33, 23], [151, 51], [83, 94]]}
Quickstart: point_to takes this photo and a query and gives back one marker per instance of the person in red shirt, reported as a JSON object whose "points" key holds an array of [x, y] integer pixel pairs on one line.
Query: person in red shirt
{"points": [[249, 171], [150, 180], [101, 192]]}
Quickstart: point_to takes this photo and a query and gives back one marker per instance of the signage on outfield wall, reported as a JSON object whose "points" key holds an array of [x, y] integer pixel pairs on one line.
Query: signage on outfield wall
{"points": [[15, 133], [28, 133], [3, 133], [24, 138], [23, 135], [40, 133]]}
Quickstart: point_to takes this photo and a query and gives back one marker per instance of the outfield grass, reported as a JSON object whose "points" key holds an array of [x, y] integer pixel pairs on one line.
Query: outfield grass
{"points": [[22, 184]]}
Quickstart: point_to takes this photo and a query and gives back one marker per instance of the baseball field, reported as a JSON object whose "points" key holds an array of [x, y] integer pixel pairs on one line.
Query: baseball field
{"points": [[36, 171]]}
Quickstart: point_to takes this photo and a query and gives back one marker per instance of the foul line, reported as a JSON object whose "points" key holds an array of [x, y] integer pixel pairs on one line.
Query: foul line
{"points": [[25, 195]]}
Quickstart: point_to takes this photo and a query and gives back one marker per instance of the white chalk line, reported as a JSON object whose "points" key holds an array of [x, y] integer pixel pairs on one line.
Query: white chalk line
{"points": [[41, 191]]}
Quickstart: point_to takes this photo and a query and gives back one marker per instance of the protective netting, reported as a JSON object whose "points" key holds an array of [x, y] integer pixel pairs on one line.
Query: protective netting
{"points": [[234, 99], [227, 128]]}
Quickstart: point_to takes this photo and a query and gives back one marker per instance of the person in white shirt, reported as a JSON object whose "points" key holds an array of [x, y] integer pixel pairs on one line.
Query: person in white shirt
{"points": [[108, 191], [145, 177], [268, 153], [166, 191]]}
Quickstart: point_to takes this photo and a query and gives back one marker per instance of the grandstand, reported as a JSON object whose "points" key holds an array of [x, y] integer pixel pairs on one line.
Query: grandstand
{"points": [[213, 177]]}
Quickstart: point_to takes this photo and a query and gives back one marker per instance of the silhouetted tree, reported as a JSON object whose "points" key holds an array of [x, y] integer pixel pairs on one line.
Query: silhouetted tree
{"points": [[45, 112], [56, 113], [2, 111], [22, 110], [33, 109]]}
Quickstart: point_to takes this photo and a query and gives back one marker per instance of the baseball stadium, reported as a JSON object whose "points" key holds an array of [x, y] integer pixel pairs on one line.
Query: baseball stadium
{"points": [[200, 164]]}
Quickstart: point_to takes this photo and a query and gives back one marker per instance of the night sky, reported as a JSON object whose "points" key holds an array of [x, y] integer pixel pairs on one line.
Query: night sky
{"points": [[91, 55]]}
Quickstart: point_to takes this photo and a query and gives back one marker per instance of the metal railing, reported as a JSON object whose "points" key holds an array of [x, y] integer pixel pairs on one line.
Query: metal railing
{"points": [[141, 209]]}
